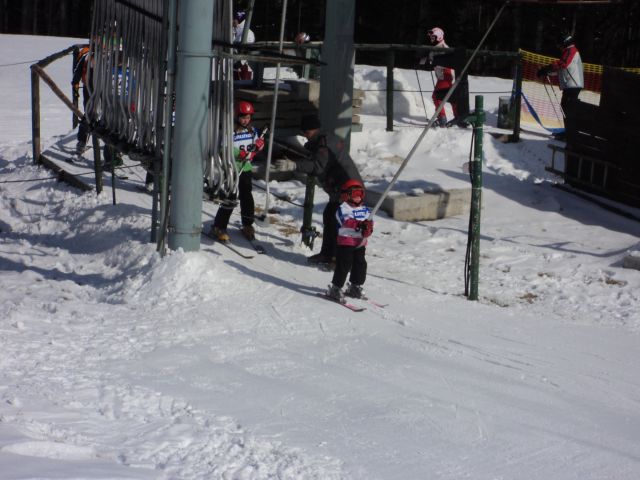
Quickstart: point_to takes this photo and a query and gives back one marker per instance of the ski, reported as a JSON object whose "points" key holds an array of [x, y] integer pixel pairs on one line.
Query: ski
{"points": [[350, 306], [368, 300], [234, 249], [374, 303], [228, 245], [256, 246]]}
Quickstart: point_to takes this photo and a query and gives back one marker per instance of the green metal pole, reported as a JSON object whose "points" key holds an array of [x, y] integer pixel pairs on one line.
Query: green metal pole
{"points": [[391, 63], [190, 137], [478, 118], [515, 137]]}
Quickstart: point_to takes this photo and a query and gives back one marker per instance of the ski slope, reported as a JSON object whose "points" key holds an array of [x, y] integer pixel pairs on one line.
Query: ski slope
{"points": [[119, 364]]}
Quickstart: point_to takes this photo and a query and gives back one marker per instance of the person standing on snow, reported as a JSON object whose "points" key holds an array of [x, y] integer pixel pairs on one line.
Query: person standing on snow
{"points": [[247, 142], [354, 228], [445, 76], [570, 73], [241, 69], [332, 171], [81, 74]]}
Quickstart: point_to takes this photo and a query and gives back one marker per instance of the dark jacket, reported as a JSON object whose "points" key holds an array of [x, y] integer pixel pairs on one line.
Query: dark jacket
{"points": [[331, 170]]}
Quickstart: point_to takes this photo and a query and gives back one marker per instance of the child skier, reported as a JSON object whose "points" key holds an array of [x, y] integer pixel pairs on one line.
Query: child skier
{"points": [[247, 142], [354, 227], [445, 77]]}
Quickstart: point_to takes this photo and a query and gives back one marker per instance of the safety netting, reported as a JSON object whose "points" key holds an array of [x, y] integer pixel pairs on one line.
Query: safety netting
{"points": [[541, 97]]}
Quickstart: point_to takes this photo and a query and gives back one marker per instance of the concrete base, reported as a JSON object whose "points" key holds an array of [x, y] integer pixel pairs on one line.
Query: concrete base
{"points": [[426, 206]]}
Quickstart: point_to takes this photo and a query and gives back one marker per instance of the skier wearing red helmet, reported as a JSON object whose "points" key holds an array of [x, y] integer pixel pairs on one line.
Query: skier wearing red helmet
{"points": [[247, 142], [354, 227]]}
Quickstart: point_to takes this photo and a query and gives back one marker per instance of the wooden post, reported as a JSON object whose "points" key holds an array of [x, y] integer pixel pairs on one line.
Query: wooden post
{"points": [[35, 115], [391, 61]]}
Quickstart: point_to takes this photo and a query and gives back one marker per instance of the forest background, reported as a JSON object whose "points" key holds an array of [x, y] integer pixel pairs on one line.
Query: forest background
{"points": [[607, 34]]}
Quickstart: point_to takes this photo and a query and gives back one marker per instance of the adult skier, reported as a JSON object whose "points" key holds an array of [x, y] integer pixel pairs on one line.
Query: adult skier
{"points": [[570, 74], [332, 170]]}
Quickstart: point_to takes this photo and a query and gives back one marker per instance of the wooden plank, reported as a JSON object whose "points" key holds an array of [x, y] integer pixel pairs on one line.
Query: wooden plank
{"points": [[63, 175]]}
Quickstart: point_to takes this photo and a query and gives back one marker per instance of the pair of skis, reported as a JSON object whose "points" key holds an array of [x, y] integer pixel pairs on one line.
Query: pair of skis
{"points": [[352, 306], [254, 244]]}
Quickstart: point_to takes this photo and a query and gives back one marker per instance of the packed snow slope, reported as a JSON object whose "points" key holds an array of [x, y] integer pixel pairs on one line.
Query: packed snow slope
{"points": [[117, 363]]}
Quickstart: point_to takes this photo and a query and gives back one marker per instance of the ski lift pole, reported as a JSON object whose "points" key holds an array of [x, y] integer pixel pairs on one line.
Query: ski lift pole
{"points": [[274, 106], [477, 119]]}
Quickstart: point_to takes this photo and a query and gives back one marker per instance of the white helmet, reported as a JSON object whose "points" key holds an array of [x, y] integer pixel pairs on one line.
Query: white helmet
{"points": [[436, 35], [302, 37]]}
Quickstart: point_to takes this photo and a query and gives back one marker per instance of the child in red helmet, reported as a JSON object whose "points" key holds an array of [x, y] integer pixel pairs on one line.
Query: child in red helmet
{"points": [[354, 227], [247, 142]]}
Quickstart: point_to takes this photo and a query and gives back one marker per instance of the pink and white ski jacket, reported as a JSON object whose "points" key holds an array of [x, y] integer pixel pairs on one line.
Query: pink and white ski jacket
{"points": [[349, 218], [445, 76]]}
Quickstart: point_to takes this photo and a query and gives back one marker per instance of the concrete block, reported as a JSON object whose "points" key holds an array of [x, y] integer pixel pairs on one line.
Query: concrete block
{"points": [[426, 206]]}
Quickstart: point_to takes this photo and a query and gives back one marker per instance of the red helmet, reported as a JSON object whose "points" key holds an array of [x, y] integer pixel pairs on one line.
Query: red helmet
{"points": [[244, 108], [349, 187]]}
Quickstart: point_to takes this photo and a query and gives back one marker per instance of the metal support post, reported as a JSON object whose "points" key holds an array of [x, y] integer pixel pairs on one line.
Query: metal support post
{"points": [[391, 63], [477, 119], [190, 138]]}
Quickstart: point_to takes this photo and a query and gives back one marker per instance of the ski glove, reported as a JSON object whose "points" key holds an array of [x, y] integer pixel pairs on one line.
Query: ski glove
{"points": [[544, 71], [243, 154], [285, 165], [366, 227], [259, 143]]}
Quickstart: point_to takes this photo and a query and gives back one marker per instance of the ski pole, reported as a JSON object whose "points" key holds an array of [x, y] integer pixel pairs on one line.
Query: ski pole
{"points": [[551, 100]]}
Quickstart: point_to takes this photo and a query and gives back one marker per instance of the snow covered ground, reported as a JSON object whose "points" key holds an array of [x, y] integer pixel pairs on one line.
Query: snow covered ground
{"points": [[119, 364]]}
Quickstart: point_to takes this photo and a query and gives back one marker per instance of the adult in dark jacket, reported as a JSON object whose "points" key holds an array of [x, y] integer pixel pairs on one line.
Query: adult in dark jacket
{"points": [[332, 171]]}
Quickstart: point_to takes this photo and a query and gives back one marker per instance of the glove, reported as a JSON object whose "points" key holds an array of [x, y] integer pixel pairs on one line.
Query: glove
{"points": [[243, 154], [284, 165], [366, 227], [259, 143], [544, 71]]}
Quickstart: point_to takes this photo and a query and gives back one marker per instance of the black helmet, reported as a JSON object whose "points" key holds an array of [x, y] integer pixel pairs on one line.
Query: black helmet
{"points": [[565, 39]]}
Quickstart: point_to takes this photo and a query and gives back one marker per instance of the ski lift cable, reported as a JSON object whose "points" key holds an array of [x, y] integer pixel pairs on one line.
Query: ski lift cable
{"points": [[437, 112]]}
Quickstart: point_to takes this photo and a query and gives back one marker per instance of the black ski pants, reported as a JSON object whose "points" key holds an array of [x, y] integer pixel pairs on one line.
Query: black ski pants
{"points": [[247, 204], [83, 127], [350, 261], [329, 230]]}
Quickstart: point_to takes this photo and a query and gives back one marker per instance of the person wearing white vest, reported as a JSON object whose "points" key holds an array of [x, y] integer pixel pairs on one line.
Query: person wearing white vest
{"points": [[569, 70]]}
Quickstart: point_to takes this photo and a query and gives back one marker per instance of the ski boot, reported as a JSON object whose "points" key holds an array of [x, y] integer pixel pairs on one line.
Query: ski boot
{"points": [[355, 291], [335, 292], [220, 234], [80, 148], [440, 122], [249, 232]]}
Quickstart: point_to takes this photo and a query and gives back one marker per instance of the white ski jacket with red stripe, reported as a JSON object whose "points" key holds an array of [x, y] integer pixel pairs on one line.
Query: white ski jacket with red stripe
{"points": [[569, 68]]}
